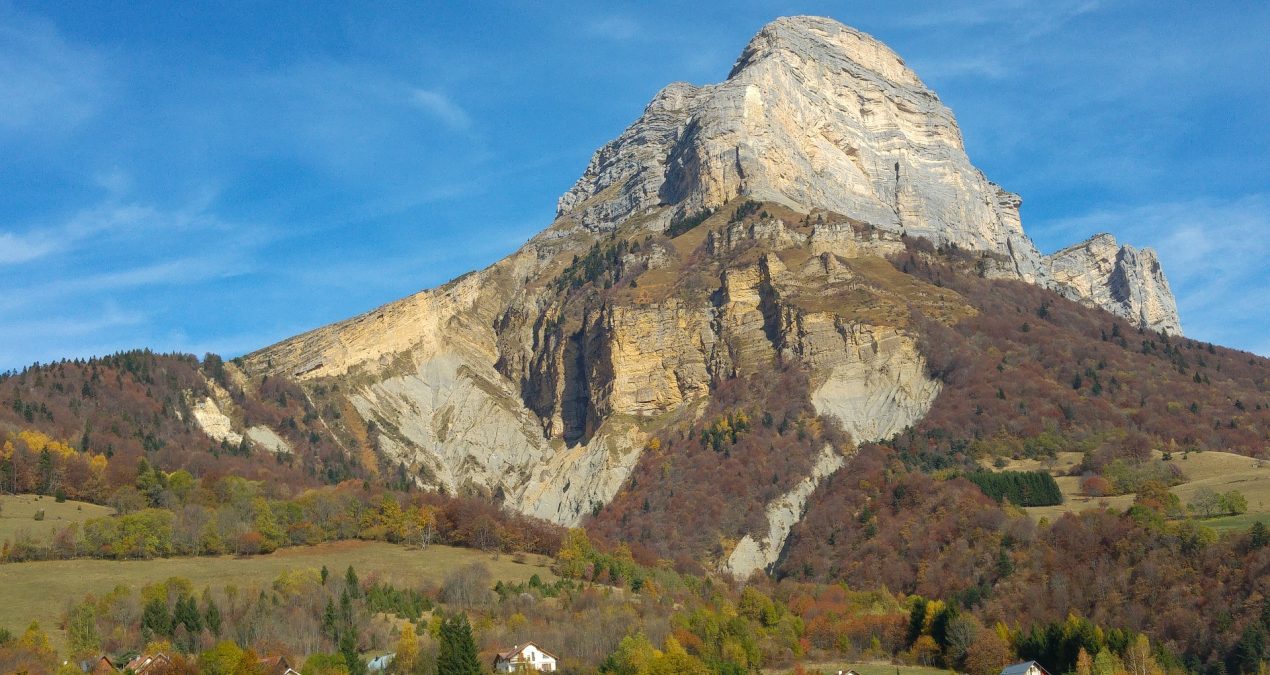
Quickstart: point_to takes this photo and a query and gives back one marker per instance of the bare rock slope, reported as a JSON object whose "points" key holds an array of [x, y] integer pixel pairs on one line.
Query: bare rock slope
{"points": [[1127, 282], [731, 227]]}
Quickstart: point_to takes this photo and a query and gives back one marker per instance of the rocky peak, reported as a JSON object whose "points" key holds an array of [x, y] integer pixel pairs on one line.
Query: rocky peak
{"points": [[814, 115], [817, 115], [1128, 282], [811, 38]]}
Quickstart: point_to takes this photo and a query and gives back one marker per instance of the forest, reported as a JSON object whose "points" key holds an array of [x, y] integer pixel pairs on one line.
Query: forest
{"points": [[917, 550]]}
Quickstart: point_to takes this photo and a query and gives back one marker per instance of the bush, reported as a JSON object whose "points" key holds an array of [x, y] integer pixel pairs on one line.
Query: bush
{"points": [[39, 515], [1096, 486]]}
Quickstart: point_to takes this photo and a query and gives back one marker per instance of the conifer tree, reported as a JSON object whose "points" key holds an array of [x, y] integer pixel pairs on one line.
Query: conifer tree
{"points": [[457, 652]]}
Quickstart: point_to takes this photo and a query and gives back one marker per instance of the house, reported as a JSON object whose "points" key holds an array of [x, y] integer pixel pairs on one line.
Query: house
{"points": [[380, 663], [1024, 668], [99, 666], [525, 657], [149, 664], [277, 665]]}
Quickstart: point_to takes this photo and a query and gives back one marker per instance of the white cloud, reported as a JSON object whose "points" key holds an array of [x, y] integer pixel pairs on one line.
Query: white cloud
{"points": [[442, 107], [46, 83], [20, 248]]}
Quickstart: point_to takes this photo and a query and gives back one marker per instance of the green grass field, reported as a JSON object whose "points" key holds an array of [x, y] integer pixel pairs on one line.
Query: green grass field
{"points": [[1219, 471], [41, 590], [17, 512], [879, 668], [1238, 523]]}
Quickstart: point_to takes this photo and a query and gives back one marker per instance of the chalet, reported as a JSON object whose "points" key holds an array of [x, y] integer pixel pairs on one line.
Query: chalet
{"points": [[149, 663], [98, 666], [1024, 668], [276, 665], [525, 657]]}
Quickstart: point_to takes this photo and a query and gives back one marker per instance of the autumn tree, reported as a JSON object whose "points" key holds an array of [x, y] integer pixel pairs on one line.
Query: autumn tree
{"points": [[988, 654]]}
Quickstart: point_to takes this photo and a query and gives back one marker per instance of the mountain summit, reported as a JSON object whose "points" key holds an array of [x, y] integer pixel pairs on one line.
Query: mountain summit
{"points": [[817, 115], [765, 248]]}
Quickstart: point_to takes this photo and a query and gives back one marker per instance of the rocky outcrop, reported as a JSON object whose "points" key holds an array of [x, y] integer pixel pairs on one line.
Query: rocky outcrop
{"points": [[1127, 282], [753, 555], [214, 423], [813, 115], [219, 427], [874, 380]]}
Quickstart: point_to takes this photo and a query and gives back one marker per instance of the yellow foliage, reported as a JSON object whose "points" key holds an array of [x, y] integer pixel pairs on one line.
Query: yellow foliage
{"points": [[39, 442], [407, 648], [35, 639]]}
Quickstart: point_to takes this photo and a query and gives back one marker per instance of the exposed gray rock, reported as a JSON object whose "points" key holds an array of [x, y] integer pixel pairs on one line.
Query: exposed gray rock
{"points": [[1125, 281], [813, 115]]}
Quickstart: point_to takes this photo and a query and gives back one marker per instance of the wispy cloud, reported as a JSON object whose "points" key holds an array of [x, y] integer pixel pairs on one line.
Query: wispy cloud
{"points": [[46, 83], [1032, 17], [442, 107], [614, 27], [20, 248], [108, 219]]}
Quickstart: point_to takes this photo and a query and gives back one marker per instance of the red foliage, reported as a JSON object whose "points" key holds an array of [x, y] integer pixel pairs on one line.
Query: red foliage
{"points": [[696, 485]]}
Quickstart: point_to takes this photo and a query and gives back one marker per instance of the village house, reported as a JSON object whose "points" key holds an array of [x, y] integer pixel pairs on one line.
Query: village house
{"points": [[98, 666], [149, 663], [1024, 668], [276, 665], [525, 657]]}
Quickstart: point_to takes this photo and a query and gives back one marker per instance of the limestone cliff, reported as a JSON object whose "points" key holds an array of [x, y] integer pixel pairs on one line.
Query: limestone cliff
{"points": [[732, 228], [1127, 282], [813, 115]]}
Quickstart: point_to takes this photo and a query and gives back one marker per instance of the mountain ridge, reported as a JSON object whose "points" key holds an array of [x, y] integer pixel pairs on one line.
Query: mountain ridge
{"points": [[731, 227]]}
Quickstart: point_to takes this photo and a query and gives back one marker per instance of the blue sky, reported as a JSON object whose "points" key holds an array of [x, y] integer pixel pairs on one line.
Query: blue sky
{"points": [[217, 179]]}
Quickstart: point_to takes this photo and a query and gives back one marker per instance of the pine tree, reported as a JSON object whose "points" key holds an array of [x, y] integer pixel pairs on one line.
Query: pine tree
{"points": [[350, 580], [348, 649], [1258, 535], [211, 615], [328, 620], [456, 654], [155, 620]]}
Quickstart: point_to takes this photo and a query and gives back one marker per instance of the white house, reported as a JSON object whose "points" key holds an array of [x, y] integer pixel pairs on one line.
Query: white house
{"points": [[1025, 668], [525, 657]]}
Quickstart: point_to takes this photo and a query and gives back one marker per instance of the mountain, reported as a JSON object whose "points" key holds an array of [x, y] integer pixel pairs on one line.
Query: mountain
{"points": [[771, 328], [542, 377]]}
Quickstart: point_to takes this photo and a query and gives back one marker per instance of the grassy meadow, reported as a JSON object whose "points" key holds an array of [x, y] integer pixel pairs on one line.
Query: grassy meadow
{"points": [[1218, 471], [17, 512], [41, 590]]}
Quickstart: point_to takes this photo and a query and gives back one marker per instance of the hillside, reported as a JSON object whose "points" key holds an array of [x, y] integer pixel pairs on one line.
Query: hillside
{"points": [[770, 328]]}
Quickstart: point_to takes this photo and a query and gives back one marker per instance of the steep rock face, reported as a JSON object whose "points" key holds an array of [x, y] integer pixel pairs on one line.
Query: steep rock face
{"points": [[1127, 282], [813, 115], [540, 379]]}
